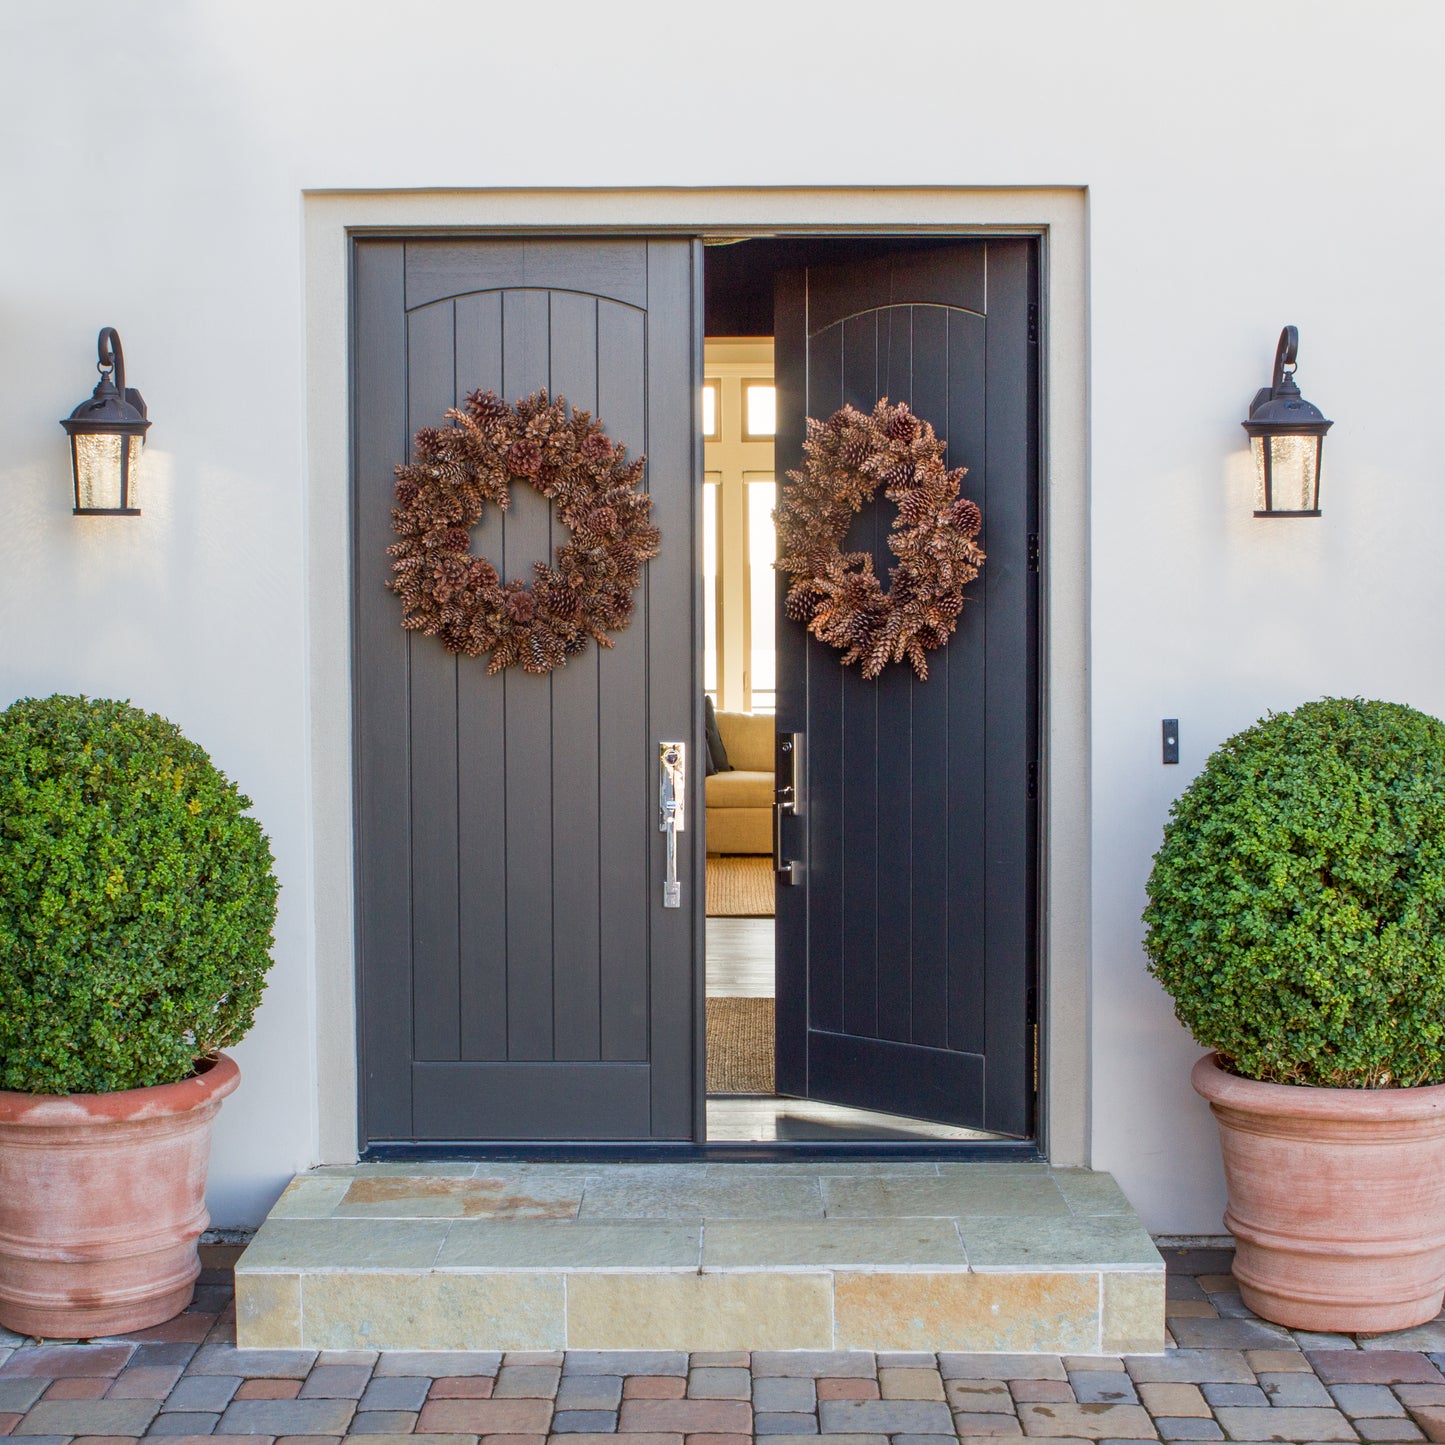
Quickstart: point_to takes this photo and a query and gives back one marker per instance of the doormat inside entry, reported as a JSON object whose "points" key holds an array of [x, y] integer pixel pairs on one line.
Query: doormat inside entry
{"points": [[739, 886], [740, 1046]]}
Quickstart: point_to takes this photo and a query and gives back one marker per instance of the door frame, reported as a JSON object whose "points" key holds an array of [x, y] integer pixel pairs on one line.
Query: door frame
{"points": [[1057, 216]]}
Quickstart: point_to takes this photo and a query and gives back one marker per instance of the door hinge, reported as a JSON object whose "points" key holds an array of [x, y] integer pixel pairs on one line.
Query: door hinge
{"points": [[1034, 778], [1033, 551], [1033, 323]]}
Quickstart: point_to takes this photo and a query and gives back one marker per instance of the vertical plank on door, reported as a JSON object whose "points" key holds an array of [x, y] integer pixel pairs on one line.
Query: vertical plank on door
{"points": [[860, 737], [530, 990], [792, 922], [575, 763], [968, 722], [626, 821], [431, 392], [894, 690], [823, 722], [673, 356], [383, 810], [1008, 579], [927, 782], [481, 754]]}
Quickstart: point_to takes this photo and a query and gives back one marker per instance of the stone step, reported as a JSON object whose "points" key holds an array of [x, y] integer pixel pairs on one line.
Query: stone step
{"points": [[1002, 1258]]}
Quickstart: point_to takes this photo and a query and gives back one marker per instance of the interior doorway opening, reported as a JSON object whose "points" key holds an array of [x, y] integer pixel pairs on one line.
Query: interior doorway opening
{"points": [[745, 672]]}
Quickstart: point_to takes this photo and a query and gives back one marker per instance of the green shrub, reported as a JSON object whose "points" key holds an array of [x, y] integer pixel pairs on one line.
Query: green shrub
{"points": [[137, 900], [1297, 906]]}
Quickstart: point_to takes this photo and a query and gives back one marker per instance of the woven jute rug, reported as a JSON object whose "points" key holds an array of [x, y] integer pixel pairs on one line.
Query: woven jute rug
{"points": [[740, 1046], [739, 886]]}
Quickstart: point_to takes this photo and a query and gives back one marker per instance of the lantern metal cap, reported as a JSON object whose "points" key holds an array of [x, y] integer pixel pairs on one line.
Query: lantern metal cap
{"points": [[112, 406], [1279, 407]]}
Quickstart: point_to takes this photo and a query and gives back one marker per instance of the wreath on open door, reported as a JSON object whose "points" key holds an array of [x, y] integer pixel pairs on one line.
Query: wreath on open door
{"points": [[846, 459], [448, 593]]}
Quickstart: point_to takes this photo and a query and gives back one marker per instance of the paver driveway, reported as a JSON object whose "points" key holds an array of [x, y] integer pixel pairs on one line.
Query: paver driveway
{"points": [[1229, 1376]]}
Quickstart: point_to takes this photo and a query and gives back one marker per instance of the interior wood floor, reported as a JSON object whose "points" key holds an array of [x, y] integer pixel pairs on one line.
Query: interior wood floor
{"points": [[740, 965]]}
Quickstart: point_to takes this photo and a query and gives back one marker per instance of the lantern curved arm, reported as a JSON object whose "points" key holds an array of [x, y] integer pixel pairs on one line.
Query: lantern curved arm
{"points": [[1284, 356], [110, 356]]}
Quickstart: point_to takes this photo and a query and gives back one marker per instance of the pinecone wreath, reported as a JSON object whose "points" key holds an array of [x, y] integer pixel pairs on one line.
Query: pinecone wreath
{"points": [[836, 593], [447, 592]]}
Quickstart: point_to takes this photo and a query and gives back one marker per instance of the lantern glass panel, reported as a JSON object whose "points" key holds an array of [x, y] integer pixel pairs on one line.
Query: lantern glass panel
{"points": [[1294, 473], [98, 457]]}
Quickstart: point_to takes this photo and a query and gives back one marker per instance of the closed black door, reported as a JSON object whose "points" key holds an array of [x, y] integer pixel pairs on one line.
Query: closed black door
{"points": [[519, 976], [905, 953]]}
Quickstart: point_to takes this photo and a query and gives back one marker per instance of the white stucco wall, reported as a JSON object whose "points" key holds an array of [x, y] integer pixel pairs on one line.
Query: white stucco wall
{"points": [[1246, 166]]}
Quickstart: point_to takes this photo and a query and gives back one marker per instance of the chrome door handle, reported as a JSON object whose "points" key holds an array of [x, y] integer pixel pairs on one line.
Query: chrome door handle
{"points": [[672, 812]]}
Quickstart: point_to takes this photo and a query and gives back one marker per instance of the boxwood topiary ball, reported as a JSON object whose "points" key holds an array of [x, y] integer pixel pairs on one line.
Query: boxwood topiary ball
{"points": [[137, 900], [1297, 907]]}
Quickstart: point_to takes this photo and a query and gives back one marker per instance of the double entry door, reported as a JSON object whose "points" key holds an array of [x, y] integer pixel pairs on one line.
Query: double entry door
{"points": [[521, 977]]}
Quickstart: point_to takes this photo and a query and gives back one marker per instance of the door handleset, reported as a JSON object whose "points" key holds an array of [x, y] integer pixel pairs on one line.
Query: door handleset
{"points": [[672, 812], [787, 801]]}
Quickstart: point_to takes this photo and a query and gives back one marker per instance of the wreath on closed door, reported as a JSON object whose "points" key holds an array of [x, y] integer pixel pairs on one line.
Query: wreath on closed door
{"points": [[585, 592]]}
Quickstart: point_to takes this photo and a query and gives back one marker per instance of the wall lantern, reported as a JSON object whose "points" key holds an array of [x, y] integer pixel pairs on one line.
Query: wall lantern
{"points": [[1286, 435], [106, 436]]}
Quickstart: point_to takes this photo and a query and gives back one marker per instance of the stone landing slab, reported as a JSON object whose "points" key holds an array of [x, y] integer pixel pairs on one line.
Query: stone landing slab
{"points": [[1006, 1258]]}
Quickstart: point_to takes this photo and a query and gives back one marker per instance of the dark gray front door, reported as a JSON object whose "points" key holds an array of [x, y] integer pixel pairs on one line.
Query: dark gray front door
{"points": [[519, 977], [905, 957]]}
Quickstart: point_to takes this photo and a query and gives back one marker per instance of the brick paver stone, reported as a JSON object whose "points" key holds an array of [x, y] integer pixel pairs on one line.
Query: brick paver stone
{"points": [[1284, 1423], [1409, 1394], [202, 1392], [1175, 1400], [584, 1422], [144, 1382], [1001, 1367], [858, 1389], [78, 1387], [910, 1383], [185, 1422], [383, 1422], [20, 1395], [1220, 1394], [1265, 1361], [517, 1416], [1373, 1367], [1193, 1367], [725, 1417], [1088, 1422], [1187, 1427], [1102, 1387], [336, 1382], [969, 1425], [1293, 1388], [1431, 1419], [438, 1362], [395, 1392], [722, 1359], [287, 1417], [784, 1393], [836, 1364], [626, 1362], [1367, 1400], [784, 1424], [1392, 1430], [989, 1397], [589, 1392], [719, 1383], [527, 1382], [87, 1417], [1229, 1334], [461, 1387], [55, 1362], [268, 1390], [653, 1387], [226, 1359], [918, 1417]]}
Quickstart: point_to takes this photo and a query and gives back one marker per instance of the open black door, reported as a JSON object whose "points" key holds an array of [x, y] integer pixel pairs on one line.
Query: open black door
{"points": [[906, 948], [520, 977]]}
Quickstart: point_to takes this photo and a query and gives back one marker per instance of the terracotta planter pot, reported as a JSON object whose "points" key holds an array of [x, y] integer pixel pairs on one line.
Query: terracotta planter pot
{"points": [[102, 1201], [1336, 1200]]}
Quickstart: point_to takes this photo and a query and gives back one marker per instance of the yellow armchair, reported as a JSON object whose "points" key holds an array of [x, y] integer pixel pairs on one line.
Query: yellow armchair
{"points": [[740, 803]]}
